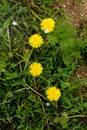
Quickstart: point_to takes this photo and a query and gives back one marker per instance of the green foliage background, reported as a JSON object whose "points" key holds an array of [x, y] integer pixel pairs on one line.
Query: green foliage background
{"points": [[23, 103]]}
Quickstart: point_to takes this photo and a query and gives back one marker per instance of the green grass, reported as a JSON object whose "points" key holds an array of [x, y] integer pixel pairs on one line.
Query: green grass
{"points": [[23, 103]]}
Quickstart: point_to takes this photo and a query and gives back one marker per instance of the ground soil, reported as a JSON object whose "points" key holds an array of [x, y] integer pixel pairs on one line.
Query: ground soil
{"points": [[75, 9]]}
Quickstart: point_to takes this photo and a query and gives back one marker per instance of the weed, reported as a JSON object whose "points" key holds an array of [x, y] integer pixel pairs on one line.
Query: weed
{"points": [[23, 101]]}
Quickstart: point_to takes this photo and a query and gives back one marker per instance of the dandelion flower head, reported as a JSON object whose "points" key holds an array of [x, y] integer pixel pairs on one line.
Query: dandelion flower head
{"points": [[35, 40], [35, 69], [53, 93], [47, 25]]}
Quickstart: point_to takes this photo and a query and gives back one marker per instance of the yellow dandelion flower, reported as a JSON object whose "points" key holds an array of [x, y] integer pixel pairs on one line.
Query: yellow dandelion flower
{"points": [[35, 69], [53, 93], [35, 40], [47, 25]]}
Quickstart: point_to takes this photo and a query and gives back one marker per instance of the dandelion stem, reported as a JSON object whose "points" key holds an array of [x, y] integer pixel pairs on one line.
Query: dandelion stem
{"points": [[30, 53], [35, 91], [44, 113], [29, 57], [9, 40], [17, 63], [35, 14], [76, 116], [23, 58], [28, 87], [45, 116]]}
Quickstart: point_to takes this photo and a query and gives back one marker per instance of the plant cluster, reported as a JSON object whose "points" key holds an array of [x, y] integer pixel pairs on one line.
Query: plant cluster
{"points": [[35, 41], [39, 51]]}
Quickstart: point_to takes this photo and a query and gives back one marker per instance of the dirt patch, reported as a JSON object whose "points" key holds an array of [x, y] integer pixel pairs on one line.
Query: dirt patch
{"points": [[74, 9]]}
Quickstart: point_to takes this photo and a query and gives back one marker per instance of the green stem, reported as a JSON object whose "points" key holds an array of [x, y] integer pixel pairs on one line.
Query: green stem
{"points": [[29, 57], [9, 41], [17, 64], [35, 14], [30, 53], [28, 87], [77, 116], [23, 58]]}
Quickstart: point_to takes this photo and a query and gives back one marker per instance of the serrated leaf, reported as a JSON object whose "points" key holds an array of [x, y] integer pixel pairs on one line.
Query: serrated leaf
{"points": [[11, 75], [64, 122], [7, 22]]}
